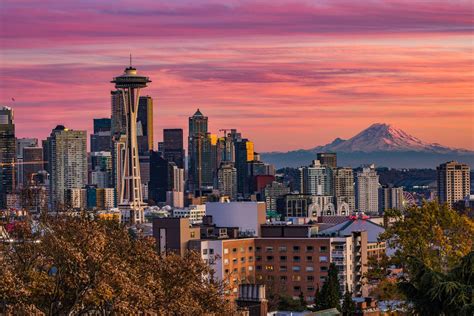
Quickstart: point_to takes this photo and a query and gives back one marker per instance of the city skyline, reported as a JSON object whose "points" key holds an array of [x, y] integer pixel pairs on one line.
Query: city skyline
{"points": [[301, 73]]}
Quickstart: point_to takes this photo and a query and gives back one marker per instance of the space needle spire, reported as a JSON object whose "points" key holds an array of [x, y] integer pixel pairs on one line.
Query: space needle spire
{"points": [[130, 195]]}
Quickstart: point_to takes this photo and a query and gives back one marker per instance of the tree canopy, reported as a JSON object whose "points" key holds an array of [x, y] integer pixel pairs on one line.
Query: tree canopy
{"points": [[74, 265]]}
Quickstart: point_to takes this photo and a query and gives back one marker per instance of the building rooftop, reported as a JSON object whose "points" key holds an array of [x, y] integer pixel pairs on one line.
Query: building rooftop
{"points": [[354, 224]]}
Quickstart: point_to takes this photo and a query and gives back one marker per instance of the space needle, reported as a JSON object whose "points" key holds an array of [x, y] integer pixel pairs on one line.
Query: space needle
{"points": [[131, 198]]}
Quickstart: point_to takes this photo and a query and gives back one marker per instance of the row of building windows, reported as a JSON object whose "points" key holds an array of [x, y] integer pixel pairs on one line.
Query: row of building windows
{"points": [[293, 278], [322, 249], [295, 258], [271, 268]]}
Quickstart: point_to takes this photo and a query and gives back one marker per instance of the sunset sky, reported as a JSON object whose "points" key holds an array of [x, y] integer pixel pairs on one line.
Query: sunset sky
{"points": [[287, 74]]}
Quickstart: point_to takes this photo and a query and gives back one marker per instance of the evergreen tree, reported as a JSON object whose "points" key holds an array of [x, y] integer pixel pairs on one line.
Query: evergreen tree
{"points": [[302, 300], [330, 295], [348, 305]]}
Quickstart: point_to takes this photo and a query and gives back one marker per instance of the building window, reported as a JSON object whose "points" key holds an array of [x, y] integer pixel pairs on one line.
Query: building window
{"points": [[250, 259], [310, 278], [323, 259], [296, 248], [283, 278], [204, 251], [242, 270], [269, 249], [211, 251], [323, 249], [309, 269], [282, 258], [270, 278], [226, 251], [242, 249], [297, 288], [234, 250], [283, 268], [310, 288], [309, 258], [296, 259], [282, 249], [296, 268], [258, 249], [250, 248], [324, 268], [258, 258], [258, 268], [226, 261], [193, 234], [269, 268], [309, 248], [322, 279], [250, 268], [269, 258], [242, 260], [234, 261], [296, 278]]}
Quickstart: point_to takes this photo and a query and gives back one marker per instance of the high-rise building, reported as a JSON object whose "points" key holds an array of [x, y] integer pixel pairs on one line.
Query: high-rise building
{"points": [[101, 169], [118, 158], [161, 177], [227, 180], [367, 190], [244, 153], [201, 144], [102, 125], [21, 144], [101, 140], [145, 125], [317, 179], [175, 195], [327, 159], [273, 192], [7, 154], [32, 162], [453, 182], [118, 119], [131, 197], [173, 149], [390, 198], [68, 162], [344, 187]]}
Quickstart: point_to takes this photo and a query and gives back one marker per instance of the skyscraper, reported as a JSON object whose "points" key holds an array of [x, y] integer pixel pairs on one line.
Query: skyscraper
{"points": [[367, 190], [173, 149], [317, 179], [161, 177], [244, 153], [7, 154], [101, 169], [227, 180], [327, 159], [118, 120], [145, 125], [101, 140], [390, 198], [344, 187], [68, 162], [33, 162], [131, 197], [200, 142], [21, 144], [453, 182]]}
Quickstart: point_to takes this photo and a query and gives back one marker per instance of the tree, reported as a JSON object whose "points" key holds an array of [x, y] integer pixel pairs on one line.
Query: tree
{"points": [[287, 303], [433, 233], [436, 293], [75, 265], [330, 296], [348, 304], [302, 299]]}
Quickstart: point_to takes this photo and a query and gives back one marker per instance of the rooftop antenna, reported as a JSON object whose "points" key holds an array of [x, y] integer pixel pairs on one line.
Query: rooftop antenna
{"points": [[130, 60]]}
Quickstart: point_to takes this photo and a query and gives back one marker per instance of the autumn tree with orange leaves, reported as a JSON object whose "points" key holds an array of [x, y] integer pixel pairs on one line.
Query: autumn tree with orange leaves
{"points": [[76, 265]]}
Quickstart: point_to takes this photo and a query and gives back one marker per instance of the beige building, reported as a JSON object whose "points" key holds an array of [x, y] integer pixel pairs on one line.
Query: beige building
{"points": [[453, 182]]}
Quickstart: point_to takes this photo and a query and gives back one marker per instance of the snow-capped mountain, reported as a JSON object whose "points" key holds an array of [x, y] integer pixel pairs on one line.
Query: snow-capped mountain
{"points": [[380, 143], [382, 137]]}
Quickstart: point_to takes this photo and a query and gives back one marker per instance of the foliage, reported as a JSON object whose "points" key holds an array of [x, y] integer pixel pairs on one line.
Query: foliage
{"points": [[287, 303], [348, 304], [435, 234], [436, 293], [329, 296], [75, 265]]}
